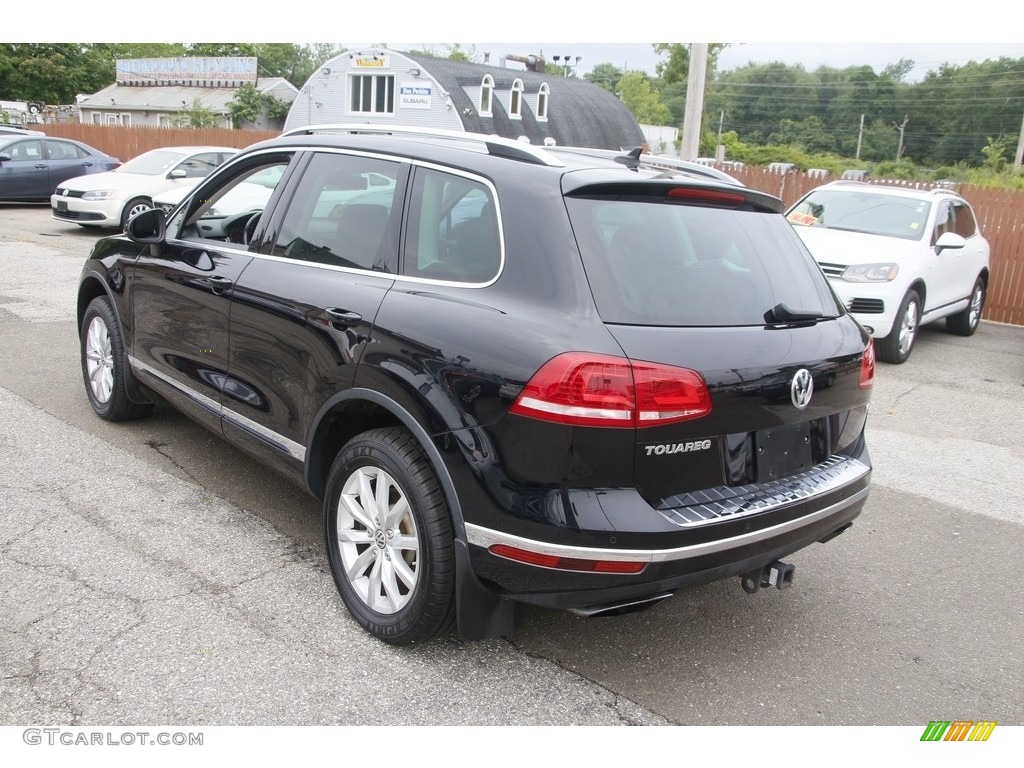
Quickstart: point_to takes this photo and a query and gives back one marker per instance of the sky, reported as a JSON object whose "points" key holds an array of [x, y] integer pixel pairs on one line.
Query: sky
{"points": [[871, 32]]}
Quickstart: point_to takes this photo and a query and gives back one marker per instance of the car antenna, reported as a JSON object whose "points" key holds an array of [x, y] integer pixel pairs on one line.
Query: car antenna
{"points": [[631, 158]]}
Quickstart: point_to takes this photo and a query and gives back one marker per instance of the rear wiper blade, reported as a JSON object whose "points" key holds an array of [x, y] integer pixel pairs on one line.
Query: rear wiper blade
{"points": [[783, 313]]}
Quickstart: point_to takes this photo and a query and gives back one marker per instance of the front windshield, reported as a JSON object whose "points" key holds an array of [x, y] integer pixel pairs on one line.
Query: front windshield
{"points": [[152, 163], [873, 213]]}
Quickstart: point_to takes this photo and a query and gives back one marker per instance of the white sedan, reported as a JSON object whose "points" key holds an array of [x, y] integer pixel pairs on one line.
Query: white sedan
{"points": [[109, 199]]}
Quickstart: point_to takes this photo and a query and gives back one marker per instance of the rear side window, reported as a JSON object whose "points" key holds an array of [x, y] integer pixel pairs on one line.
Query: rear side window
{"points": [[62, 150], [652, 263], [200, 166], [965, 224], [453, 232]]}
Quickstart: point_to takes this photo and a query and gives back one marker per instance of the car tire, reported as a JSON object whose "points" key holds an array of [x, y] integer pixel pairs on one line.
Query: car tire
{"points": [[132, 207], [103, 362], [897, 346], [393, 562], [965, 323]]}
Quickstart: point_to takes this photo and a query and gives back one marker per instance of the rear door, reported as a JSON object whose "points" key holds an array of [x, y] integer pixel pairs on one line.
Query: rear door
{"points": [[65, 161]]}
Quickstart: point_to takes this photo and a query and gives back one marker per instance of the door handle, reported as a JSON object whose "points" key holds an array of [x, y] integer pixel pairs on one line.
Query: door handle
{"points": [[40, 165], [342, 317], [220, 284]]}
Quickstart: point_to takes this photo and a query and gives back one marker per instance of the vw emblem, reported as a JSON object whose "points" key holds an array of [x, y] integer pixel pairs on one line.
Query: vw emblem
{"points": [[65, 192], [379, 538], [802, 388]]}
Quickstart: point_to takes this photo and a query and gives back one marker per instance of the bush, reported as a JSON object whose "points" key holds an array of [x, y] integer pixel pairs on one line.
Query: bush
{"points": [[896, 169]]}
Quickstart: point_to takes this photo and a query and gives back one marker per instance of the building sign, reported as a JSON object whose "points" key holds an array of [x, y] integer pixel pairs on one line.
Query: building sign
{"points": [[200, 71], [414, 95], [371, 62]]}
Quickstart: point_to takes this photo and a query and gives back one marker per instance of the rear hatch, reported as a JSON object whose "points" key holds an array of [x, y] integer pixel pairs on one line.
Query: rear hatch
{"points": [[714, 280]]}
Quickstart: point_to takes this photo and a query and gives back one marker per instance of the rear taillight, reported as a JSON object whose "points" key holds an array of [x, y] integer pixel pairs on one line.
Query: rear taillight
{"points": [[867, 366], [603, 391]]}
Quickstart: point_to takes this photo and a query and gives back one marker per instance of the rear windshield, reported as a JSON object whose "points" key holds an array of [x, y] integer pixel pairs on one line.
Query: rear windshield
{"points": [[655, 263]]}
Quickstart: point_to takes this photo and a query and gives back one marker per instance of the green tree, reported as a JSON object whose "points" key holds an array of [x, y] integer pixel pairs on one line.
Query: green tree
{"points": [[634, 88], [52, 73], [606, 75], [956, 108], [808, 134], [676, 69], [994, 152], [221, 49], [899, 70], [294, 63], [248, 104], [757, 97], [198, 116], [454, 52], [878, 143]]}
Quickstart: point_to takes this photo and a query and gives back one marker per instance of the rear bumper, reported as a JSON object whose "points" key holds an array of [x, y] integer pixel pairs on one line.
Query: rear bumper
{"points": [[683, 552]]}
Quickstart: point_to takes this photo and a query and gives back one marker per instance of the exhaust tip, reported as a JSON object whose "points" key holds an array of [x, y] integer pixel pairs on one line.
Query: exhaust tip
{"points": [[621, 608]]}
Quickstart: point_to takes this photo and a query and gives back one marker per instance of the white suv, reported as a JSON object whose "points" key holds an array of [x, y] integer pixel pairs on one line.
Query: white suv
{"points": [[897, 257]]}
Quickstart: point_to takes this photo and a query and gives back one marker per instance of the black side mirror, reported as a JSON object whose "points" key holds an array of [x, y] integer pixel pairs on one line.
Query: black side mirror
{"points": [[149, 226]]}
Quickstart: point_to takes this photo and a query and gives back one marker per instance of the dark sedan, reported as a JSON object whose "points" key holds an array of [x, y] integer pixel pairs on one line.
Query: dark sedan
{"points": [[31, 167]]}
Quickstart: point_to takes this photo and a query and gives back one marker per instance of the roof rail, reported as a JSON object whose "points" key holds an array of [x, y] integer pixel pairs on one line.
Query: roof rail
{"points": [[657, 162], [637, 158], [492, 144]]}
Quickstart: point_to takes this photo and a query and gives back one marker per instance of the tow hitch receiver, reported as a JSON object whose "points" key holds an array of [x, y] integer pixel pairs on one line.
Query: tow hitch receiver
{"points": [[777, 574]]}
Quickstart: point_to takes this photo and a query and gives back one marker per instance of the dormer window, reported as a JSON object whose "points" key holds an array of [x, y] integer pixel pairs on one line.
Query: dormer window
{"points": [[486, 94], [515, 102], [542, 101]]}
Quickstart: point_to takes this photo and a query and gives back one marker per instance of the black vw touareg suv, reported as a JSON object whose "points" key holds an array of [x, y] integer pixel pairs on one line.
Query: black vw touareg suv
{"points": [[570, 378]]}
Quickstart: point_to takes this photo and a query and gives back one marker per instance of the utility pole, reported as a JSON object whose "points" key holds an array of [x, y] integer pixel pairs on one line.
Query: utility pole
{"points": [[719, 149], [1020, 149], [860, 135], [901, 127], [694, 101]]}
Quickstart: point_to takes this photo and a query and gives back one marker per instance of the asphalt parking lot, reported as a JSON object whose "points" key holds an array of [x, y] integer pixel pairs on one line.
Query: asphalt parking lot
{"points": [[149, 573]]}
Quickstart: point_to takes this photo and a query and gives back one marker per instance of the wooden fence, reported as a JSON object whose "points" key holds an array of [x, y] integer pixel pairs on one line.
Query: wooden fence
{"points": [[1000, 211], [125, 142]]}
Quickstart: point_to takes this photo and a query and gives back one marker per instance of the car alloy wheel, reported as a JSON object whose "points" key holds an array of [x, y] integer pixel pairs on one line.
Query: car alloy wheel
{"points": [[897, 346], [965, 322], [99, 360], [378, 540], [908, 328], [103, 362], [389, 538]]}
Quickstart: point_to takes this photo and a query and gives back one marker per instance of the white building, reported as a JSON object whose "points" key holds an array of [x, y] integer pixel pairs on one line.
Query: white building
{"points": [[377, 85], [158, 91]]}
